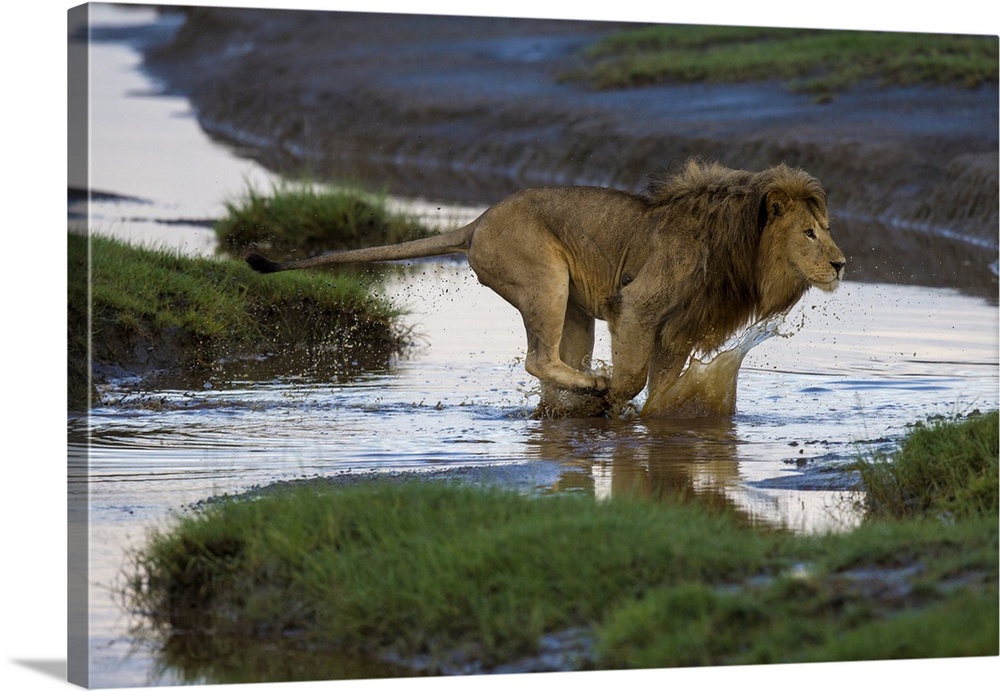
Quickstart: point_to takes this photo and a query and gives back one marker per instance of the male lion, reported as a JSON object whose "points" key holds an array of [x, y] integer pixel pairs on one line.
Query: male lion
{"points": [[675, 271]]}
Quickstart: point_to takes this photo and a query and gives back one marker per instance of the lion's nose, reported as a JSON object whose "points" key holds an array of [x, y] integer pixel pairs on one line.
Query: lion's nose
{"points": [[838, 266]]}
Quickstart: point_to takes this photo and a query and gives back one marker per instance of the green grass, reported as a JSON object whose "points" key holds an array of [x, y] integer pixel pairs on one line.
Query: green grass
{"points": [[423, 568], [943, 468], [873, 594], [303, 219], [452, 572], [151, 308], [820, 62]]}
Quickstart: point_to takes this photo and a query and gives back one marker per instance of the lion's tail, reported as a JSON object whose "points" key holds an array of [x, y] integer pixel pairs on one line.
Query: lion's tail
{"points": [[434, 246]]}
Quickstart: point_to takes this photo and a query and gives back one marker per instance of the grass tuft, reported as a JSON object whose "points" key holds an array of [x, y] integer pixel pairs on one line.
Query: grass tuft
{"points": [[153, 309], [303, 219], [422, 568], [943, 468]]}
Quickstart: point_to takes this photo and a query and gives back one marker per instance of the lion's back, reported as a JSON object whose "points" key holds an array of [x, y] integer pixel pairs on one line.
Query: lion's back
{"points": [[587, 218]]}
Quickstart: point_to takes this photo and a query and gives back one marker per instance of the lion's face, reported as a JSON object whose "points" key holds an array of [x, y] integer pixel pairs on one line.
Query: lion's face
{"points": [[810, 252], [813, 253]]}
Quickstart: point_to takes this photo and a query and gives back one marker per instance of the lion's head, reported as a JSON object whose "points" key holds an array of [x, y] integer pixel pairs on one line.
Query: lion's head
{"points": [[796, 250], [764, 239]]}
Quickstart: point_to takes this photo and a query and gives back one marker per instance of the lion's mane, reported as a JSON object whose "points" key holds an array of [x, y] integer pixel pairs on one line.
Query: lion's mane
{"points": [[740, 277]]}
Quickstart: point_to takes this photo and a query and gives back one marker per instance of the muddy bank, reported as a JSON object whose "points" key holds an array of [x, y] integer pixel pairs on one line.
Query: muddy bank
{"points": [[470, 109]]}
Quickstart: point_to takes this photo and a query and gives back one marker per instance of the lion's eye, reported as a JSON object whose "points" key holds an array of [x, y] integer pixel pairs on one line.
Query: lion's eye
{"points": [[810, 233]]}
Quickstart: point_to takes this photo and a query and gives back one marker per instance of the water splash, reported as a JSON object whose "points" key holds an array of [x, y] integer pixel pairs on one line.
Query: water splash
{"points": [[707, 385]]}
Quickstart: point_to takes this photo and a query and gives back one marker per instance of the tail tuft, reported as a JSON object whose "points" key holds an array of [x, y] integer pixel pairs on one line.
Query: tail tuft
{"points": [[258, 262]]}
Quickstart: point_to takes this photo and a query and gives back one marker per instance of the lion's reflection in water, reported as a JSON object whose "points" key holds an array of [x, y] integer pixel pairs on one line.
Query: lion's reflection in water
{"points": [[662, 458]]}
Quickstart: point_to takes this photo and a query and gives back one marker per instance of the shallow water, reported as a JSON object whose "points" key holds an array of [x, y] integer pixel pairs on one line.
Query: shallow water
{"points": [[857, 368], [851, 372]]}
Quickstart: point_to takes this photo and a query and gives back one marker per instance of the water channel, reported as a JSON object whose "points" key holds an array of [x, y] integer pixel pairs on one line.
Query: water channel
{"points": [[858, 367]]}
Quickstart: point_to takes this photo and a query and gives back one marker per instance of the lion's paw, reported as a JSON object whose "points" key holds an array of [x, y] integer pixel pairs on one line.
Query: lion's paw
{"points": [[601, 384]]}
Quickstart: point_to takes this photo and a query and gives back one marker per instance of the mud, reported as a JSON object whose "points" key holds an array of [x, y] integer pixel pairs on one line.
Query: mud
{"points": [[470, 109]]}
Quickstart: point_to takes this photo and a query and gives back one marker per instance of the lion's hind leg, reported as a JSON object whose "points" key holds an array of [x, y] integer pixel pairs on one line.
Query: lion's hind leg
{"points": [[539, 289], [515, 254], [544, 328]]}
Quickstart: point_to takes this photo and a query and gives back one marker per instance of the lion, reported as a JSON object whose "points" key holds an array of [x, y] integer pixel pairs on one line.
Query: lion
{"points": [[673, 271]]}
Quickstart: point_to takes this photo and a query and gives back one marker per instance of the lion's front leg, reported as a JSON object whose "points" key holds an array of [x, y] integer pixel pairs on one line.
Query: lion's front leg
{"points": [[631, 349], [665, 367]]}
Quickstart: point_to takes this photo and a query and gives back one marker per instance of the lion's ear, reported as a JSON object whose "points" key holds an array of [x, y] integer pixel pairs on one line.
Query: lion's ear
{"points": [[776, 203]]}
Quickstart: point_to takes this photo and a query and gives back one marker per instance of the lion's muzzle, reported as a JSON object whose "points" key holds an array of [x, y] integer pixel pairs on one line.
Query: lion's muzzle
{"points": [[838, 269]]}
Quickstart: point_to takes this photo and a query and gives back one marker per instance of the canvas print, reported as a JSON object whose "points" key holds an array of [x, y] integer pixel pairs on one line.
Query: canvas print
{"points": [[414, 345]]}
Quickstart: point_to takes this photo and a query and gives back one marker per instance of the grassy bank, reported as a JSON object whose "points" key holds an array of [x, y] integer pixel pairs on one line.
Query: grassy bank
{"points": [[151, 310], [303, 219], [819, 62], [458, 578], [942, 469]]}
